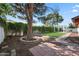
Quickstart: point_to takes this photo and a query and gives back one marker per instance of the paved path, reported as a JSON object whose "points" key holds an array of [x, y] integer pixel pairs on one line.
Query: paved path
{"points": [[55, 48], [74, 35]]}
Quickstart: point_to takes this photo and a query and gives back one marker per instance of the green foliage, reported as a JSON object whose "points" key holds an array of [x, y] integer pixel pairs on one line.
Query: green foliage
{"points": [[38, 9], [53, 18], [5, 9], [71, 25], [25, 28], [2, 22], [15, 26], [18, 26], [43, 29], [11, 26]]}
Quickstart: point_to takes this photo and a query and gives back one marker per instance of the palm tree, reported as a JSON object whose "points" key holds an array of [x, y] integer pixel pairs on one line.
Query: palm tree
{"points": [[5, 9], [52, 18], [27, 12], [57, 17], [43, 19]]}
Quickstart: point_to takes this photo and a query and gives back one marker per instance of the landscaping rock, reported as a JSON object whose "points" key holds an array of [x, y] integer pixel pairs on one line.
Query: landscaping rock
{"points": [[45, 38], [4, 47]]}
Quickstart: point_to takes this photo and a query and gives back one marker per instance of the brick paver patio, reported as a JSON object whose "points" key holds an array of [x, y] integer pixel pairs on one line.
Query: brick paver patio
{"points": [[56, 49]]}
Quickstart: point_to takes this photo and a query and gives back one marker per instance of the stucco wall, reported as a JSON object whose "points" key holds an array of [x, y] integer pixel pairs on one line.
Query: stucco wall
{"points": [[1, 34]]}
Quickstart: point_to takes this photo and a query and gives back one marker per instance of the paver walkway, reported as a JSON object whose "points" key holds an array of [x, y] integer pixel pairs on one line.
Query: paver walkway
{"points": [[55, 48], [74, 35]]}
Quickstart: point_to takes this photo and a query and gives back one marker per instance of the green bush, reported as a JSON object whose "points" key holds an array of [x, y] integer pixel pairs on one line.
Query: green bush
{"points": [[15, 26], [11, 26], [18, 26], [3, 24], [25, 28]]}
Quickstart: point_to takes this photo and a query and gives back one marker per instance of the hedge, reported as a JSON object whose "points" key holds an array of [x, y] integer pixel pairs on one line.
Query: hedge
{"points": [[15, 26], [43, 29], [18, 26]]}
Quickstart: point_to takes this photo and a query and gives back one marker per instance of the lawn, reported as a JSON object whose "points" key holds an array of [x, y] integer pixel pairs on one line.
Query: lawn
{"points": [[55, 34]]}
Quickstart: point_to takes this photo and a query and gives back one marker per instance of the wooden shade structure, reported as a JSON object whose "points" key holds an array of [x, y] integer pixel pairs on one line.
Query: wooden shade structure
{"points": [[75, 20]]}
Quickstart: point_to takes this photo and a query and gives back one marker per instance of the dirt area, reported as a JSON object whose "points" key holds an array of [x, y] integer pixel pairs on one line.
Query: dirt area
{"points": [[21, 47]]}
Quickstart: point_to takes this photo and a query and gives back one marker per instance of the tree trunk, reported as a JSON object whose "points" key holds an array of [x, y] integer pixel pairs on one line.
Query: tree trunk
{"points": [[29, 31], [54, 28], [57, 27], [29, 11]]}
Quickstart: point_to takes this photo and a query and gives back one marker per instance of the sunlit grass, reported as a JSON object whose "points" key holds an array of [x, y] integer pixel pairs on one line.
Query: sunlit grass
{"points": [[54, 34]]}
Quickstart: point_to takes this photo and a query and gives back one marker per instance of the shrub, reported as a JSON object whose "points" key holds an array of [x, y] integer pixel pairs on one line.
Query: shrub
{"points": [[3, 24]]}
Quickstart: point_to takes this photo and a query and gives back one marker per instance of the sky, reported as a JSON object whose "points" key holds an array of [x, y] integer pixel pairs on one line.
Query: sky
{"points": [[67, 10]]}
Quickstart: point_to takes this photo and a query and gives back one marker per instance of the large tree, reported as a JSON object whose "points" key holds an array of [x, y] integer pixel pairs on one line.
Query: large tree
{"points": [[27, 12]]}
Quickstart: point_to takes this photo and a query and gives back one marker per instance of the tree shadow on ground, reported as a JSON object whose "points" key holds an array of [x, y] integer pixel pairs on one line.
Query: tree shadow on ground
{"points": [[72, 40], [48, 49], [22, 48]]}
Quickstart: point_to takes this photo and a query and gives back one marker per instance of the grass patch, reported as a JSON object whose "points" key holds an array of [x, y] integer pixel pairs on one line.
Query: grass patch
{"points": [[55, 34]]}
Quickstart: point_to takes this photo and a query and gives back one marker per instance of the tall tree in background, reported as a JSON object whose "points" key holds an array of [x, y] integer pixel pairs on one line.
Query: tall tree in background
{"points": [[57, 17], [27, 12], [71, 25], [52, 18]]}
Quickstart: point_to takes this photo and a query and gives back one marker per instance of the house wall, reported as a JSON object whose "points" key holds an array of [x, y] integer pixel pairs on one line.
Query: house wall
{"points": [[1, 34], [76, 22]]}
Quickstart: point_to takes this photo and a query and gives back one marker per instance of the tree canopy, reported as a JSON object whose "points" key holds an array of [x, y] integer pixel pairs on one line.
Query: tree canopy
{"points": [[20, 9], [5, 9]]}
